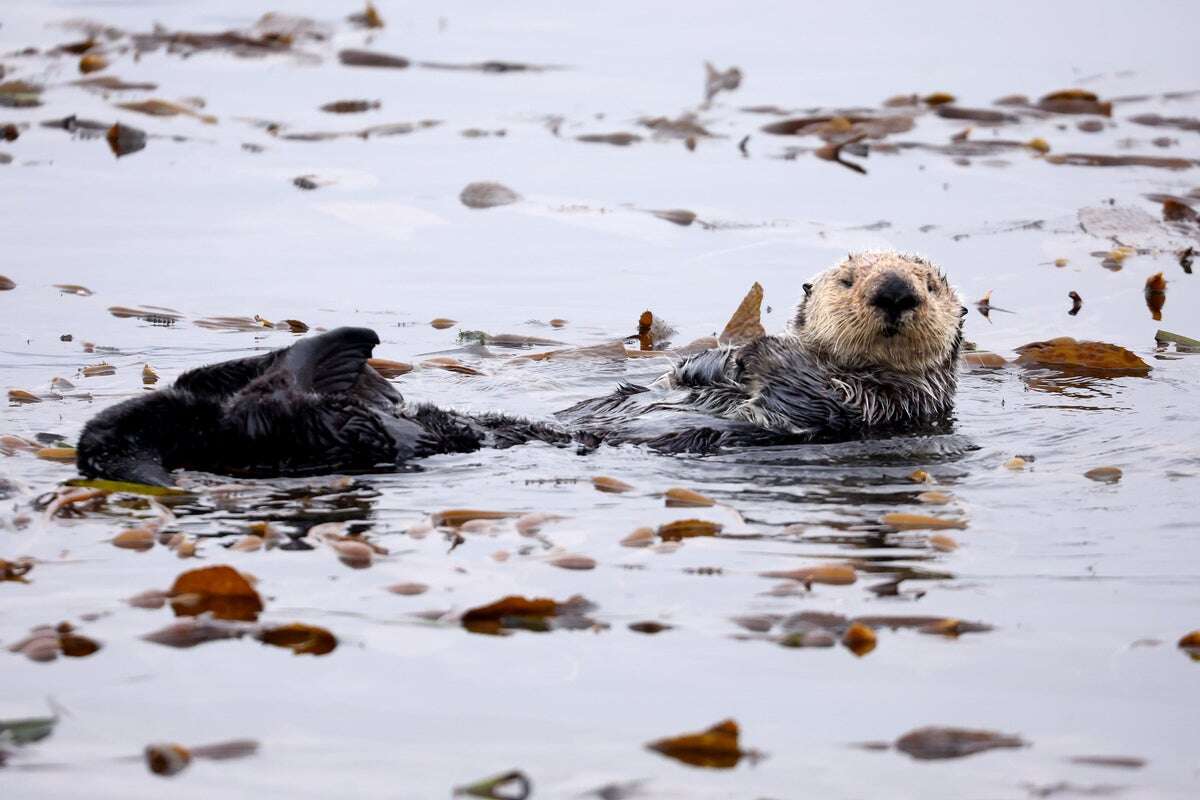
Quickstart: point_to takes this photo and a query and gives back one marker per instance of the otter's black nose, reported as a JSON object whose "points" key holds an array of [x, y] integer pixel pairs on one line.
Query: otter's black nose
{"points": [[895, 296]]}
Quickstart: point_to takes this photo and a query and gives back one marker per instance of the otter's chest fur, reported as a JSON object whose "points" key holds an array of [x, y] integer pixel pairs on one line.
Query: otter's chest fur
{"points": [[771, 390]]}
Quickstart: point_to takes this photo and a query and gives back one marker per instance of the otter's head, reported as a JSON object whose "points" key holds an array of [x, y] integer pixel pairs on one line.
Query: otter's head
{"points": [[881, 309]]}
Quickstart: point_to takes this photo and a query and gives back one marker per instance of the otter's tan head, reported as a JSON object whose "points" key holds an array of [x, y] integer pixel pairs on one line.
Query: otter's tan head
{"points": [[881, 309]]}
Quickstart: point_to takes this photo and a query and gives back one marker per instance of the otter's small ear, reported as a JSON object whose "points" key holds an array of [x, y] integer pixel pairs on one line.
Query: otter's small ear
{"points": [[807, 289], [962, 312]]}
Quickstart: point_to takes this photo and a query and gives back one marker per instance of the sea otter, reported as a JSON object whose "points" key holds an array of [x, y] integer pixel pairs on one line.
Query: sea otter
{"points": [[871, 349]]}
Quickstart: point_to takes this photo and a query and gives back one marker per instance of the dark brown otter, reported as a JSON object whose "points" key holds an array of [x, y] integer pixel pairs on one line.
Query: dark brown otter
{"points": [[872, 349]]}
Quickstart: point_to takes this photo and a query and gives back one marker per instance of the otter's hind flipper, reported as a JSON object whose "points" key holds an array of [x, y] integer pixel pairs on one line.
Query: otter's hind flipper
{"points": [[330, 363]]}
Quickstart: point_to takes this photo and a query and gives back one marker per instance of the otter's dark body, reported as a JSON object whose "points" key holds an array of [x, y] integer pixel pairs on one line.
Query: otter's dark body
{"points": [[315, 407], [318, 406], [769, 391]]}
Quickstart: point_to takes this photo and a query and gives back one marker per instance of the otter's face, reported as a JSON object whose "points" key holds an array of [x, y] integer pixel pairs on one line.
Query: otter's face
{"points": [[881, 309]]}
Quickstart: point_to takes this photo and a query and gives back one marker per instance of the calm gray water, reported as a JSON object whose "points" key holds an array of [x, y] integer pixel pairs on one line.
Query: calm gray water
{"points": [[1088, 585]]}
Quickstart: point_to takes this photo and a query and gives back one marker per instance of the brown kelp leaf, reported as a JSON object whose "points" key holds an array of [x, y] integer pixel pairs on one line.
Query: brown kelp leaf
{"points": [[350, 106], [1075, 101], [984, 359], [679, 497], [645, 328], [10, 444], [934, 498], [368, 18], [619, 139], [1104, 474], [455, 517], [716, 747], [915, 522], [575, 562], [512, 785], [1158, 121], [679, 216], [167, 759], [153, 315], [1097, 160], [1065, 352], [15, 570], [111, 83], [98, 370], [220, 590], [408, 589], [603, 483], [558, 323], [1038, 144], [441, 323], [450, 365], [832, 151], [192, 632], [1076, 303], [20, 94], [530, 524], [984, 116], [75, 646], [517, 612], [687, 529], [1156, 295], [367, 58], [746, 322], [832, 574], [41, 645], [150, 599], [943, 543], [1190, 644], [937, 743], [65, 455], [859, 639], [125, 139], [1016, 464], [649, 627], [140, 538], [641, 537], [352, 553], [6, 284], [149, 376], [1174, 210], [92, 62], [389, 369], [1120, 762], [300, 639], [20, 397], [938, 99], [841, 127], [74, 288], [487, 194]]}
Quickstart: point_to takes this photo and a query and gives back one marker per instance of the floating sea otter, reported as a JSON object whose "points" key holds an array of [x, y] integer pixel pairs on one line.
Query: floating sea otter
{"points": [[872, 349]]}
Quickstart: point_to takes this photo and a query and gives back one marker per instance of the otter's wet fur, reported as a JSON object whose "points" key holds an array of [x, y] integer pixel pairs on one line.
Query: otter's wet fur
{"points": [[872, 349], [315, 407]]}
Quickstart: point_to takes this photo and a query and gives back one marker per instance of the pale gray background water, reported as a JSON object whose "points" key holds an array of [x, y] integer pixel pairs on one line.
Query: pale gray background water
{"points": [[1070, 572]]}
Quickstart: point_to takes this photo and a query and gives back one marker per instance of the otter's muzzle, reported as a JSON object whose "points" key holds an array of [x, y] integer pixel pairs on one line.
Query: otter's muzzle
{"points": [[893, 297]]}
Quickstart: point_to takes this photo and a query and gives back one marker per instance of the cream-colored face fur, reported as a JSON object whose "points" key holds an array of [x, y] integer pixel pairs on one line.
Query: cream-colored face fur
{"points": [[881, 309]]}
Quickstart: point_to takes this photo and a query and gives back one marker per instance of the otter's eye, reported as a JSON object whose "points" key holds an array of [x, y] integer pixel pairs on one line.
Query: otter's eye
{"points": [[932, 284], [847, 282], [807, 289]]}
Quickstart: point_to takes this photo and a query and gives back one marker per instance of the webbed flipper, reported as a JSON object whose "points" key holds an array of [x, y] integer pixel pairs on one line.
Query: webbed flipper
{"points": [[330, 363]]}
